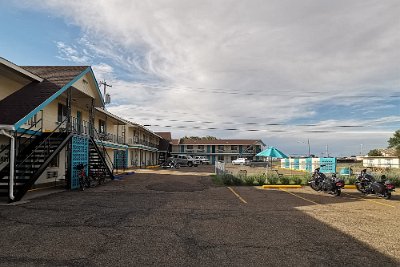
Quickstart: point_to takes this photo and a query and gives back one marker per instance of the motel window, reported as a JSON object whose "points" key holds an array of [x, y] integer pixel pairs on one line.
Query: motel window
{"points": [[221, 147], [62, 112], [234, 147], [200, 147], [189, 147], [220, 158]]}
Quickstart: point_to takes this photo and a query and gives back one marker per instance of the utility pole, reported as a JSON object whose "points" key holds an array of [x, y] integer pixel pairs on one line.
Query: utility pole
{"points": [[327, 152], [104, 83], [309, 149]]}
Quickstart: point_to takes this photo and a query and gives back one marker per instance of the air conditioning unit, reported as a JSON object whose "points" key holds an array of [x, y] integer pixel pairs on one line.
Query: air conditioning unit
{"points": [[52, 174], [108, 99]]}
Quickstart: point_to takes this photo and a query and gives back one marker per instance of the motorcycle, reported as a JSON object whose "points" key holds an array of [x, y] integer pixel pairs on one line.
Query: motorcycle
{"points": [[320, 182], [171, 164], [367, 184]]}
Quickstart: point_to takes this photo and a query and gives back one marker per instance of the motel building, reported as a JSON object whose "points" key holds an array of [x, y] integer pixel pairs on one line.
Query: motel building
{"points": [[53, 118], [222, 150]]}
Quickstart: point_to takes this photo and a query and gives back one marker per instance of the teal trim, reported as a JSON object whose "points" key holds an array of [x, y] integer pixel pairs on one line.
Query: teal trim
{"points": [[309, 164], [112, 145], [22, 130], [182, 148], [208, 149], [97, 87], [54, 96], [296, 164]]}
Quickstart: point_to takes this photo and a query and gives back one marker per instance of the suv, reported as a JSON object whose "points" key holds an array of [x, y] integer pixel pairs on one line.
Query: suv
{"points": [[186, 160], [202, 159]]}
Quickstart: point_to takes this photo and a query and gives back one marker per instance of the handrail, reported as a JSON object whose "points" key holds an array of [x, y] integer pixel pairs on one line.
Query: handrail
{"points": [[45, 140], [96, 136], [31, 135]]}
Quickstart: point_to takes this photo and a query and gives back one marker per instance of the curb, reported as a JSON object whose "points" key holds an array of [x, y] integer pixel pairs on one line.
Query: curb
{"points": [[349, 186], [282, 186]]}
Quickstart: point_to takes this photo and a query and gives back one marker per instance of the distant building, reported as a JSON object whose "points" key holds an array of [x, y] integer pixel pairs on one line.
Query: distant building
{"points": [[381, 162], [165, 147], [224, 150]]}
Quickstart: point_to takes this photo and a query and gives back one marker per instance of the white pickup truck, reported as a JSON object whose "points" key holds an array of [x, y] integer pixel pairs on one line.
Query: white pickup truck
{"points": [[202, 159]]}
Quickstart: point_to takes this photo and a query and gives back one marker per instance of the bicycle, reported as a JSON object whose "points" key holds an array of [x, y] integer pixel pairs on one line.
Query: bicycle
{"points": [[84, 180], [97, 174]]}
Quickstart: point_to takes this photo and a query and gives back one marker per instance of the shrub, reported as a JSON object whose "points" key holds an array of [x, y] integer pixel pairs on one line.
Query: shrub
{"points": [[272, 179], [260, 180], [284, 180], [249, 180], [297, 180]]}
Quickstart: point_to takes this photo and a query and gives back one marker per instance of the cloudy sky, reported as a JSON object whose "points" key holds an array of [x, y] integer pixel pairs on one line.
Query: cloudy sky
{"points": [[284, 71]]}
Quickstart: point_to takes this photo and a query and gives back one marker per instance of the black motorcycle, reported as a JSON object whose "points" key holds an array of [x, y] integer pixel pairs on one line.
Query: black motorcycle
{"points": [[367, 184], [170, 164], [320, 182]]}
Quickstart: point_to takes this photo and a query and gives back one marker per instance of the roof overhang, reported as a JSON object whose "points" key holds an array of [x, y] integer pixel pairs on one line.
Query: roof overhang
{"points": [[19, 70]]}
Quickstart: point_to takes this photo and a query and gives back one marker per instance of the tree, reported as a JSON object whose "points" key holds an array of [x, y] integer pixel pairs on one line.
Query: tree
{"points": [[375, 153], [394, 142]]}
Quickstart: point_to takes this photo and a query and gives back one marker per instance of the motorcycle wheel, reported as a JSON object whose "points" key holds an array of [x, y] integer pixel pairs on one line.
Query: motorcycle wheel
{"points": [[387, 195], [314, 186], [337, 192]]}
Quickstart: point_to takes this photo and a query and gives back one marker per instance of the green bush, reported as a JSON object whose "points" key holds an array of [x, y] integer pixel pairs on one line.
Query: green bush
{"points": [[249, 180], [284, 180], [272, 179], [260, 179], [297, 180]]}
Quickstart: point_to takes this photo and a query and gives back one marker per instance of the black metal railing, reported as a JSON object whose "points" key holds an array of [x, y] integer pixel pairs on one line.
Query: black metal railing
{"points": [[105, 155], [26, 136], [45, 149]]}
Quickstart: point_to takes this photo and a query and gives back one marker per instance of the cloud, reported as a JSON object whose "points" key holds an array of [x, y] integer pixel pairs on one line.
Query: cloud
{"points": [[70, 53], [286, 62]]}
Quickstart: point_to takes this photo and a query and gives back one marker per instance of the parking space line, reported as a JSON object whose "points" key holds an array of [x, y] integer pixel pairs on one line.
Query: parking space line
{"points": [[377, 202], [284, 190], [238, 196]]}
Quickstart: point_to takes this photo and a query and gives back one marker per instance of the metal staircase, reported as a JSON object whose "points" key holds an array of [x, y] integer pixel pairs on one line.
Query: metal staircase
{"points": [[32, 161], [99, 161]]}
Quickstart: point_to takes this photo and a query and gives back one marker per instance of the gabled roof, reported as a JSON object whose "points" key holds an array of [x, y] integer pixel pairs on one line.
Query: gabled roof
{"points": [[19, 104], [59, 75], [21, 71], [24, 103], [165, 135]]}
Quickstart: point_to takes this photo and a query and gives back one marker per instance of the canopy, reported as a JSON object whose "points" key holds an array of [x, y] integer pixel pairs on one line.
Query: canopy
{"points": [[273, 153]]}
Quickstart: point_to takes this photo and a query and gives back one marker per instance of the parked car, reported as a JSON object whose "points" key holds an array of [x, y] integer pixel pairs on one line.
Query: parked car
{"points": [[240, 161], [186, 160], [202, 159], [259, 164]]}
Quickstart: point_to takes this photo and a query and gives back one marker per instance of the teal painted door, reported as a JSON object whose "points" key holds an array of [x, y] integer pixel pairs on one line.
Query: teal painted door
{"points": [[79, 155]]}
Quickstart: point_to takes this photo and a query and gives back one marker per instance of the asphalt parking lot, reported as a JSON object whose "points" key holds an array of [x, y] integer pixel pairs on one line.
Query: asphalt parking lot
{"points": [[179, 218]]}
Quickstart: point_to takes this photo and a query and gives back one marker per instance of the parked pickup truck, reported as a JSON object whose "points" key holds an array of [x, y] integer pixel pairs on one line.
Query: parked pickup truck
{"points": [[258, 164], [202, 159]]}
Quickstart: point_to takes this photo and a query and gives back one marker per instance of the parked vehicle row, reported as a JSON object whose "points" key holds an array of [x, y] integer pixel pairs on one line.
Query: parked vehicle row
{"points": [[365, 184]]}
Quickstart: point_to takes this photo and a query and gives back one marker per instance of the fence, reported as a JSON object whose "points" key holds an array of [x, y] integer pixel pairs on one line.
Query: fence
{"points": [[326, 165], [219, 168]]}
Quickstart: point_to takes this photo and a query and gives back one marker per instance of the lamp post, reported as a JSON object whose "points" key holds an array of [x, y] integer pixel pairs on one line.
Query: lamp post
{"points": [[308, 145]]}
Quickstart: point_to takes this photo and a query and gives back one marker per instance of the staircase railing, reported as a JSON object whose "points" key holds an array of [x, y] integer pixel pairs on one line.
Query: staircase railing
{"points": [[104, 154], [30, 132], [45, 145]]}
